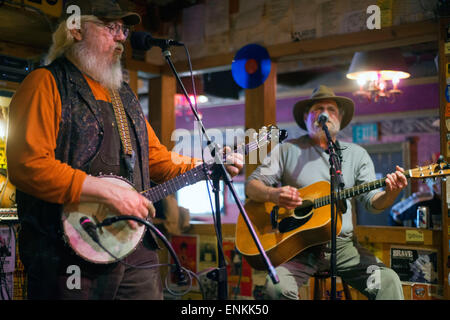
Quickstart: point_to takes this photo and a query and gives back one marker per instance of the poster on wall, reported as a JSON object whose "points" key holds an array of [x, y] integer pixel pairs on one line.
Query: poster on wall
{"points": [[207, 262], [7, 250], [7, 262], [415, 265], [6, 286], [207, 253], [185, 247], [238, 270]]}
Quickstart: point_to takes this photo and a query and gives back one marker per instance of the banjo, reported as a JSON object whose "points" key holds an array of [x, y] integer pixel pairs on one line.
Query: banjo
{"points": [[119, 238]]}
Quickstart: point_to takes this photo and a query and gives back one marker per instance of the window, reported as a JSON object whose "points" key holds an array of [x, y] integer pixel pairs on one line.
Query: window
{"points": [[384, 157], [195, 198]]}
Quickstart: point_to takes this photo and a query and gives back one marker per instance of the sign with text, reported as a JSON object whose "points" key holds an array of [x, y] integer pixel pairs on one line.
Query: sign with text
{"points": [[364, 133], [415, 265]]}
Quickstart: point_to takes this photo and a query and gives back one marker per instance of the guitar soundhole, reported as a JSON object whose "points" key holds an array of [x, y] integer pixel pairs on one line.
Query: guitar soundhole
{"points": [[304, 209], [302, 215]]}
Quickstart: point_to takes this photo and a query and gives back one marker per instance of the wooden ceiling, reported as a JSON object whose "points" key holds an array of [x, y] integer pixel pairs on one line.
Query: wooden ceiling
{"points": [[24, 27], [27, 34]]}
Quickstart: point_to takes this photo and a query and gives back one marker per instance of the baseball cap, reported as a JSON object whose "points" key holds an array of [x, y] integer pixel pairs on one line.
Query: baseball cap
{"points": [[104, 9]]}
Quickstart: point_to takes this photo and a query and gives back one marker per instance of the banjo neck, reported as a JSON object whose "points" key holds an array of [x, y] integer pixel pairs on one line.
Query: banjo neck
{"points": [[167, 188], [204, 170]]}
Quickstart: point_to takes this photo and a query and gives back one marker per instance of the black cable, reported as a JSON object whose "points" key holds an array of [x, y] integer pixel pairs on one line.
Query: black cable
{"points": [[111, 220], [188, 272], [207, 178], [220, 247], [238, 285], [179, 269]]}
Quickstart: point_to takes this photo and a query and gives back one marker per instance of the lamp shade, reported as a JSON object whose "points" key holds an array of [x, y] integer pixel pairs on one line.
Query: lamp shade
{"points": [[389, 63]]}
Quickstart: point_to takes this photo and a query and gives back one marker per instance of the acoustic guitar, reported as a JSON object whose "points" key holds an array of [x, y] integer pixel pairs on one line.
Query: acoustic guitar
{"points": [[119, 238], [285, 233]]}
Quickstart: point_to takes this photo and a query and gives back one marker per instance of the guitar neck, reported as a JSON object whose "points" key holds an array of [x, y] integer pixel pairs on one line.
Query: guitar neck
{"points": [[188, 178], [354, 191]]}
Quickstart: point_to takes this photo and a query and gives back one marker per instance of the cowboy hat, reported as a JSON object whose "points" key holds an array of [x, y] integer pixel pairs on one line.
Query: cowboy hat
{"points": [[346, 106]]}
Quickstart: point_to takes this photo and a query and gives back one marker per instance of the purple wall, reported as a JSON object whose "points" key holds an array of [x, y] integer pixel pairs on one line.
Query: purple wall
{"points": [[418, 97], [414, 98]]}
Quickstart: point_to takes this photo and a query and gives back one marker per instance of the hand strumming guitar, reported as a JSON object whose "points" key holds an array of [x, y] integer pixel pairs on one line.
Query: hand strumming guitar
{"points": [[285, 196]]}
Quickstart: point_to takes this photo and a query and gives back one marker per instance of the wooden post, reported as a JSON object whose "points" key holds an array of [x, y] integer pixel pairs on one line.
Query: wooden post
{"points": [[161, 105], [260, 109], [444, 59], [134, 81]]}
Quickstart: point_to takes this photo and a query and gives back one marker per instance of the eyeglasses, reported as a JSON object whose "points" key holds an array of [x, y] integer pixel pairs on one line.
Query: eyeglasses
{"points": [[115, 28]]}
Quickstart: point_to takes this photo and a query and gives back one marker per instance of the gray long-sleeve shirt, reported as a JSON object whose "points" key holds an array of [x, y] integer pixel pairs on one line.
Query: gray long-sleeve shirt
{"points": [[300, 163]]}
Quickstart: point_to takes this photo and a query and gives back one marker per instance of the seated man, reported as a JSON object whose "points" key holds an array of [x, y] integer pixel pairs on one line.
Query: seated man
{"points": [[304, 161]]}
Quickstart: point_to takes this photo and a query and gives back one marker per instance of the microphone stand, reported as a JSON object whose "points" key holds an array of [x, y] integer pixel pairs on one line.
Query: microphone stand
{"points": [[220, 274], [335, 176]]}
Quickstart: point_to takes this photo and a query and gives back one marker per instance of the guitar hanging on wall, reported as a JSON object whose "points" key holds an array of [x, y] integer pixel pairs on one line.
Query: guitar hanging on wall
{"points": [[285, 233]]}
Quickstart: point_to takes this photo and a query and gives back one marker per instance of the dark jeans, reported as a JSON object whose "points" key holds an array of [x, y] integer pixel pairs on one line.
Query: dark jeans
{"points": [[50, 273]]}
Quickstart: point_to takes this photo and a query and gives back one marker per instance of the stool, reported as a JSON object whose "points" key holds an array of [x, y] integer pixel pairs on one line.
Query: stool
{"points": [[319, 286]]}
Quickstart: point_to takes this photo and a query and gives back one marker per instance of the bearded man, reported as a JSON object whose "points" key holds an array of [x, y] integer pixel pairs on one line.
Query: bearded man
{"points": [[64, 132]]}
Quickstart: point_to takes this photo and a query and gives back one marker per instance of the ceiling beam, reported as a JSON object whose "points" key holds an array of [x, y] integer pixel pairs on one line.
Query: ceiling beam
{"points": [[20, 51], [395, 36]]}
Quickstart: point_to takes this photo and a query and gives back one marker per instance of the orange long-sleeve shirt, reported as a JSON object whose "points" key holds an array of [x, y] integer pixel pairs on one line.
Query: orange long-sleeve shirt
{"points": [[34, 117]]}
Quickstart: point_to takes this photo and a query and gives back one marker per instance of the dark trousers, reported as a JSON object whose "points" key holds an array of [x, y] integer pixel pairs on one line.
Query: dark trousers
{"points": [[54, 273]]}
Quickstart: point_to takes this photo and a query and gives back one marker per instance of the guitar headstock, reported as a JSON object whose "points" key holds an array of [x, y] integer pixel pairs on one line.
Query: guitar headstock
{"points": [[436, 170], [264, 137], [271, 133]]}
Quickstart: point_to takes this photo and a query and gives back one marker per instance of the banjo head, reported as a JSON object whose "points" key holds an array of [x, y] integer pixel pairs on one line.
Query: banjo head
{"points": [[119, 238]]}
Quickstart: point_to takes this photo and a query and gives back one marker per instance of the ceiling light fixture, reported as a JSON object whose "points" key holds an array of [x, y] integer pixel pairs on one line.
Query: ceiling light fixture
{"points": [[378, 74]]}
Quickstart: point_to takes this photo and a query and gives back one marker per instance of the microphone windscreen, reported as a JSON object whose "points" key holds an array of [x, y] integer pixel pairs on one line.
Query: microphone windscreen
{"points": [[323, 117], [138, 40]]}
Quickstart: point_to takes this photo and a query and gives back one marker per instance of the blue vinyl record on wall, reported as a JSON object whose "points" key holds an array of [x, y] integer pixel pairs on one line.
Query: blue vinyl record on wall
{"points": [[251, 66]]}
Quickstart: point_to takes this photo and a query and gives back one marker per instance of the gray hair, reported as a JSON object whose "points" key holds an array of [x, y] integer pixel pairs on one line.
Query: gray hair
{"points": [[63, 39]]}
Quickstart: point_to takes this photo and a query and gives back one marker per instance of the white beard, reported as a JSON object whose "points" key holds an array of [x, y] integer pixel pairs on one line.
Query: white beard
{"points": [[109, 74]]}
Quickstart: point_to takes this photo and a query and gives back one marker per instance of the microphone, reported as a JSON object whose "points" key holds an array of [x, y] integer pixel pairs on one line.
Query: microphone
{"points": [[90, 228], [141, 40], [323, 118]]}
